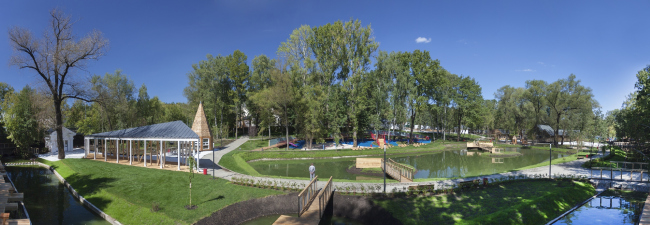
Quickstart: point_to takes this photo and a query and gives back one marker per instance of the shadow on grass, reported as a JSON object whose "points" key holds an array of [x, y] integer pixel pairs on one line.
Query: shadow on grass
{"points": [[214, 199], [88, 185], [99, 202], [528, 202]]}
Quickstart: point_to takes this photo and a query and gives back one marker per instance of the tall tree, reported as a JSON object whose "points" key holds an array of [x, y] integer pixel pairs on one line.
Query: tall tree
{"points": [[536, 95], [5, 89], [279, 97], [239, 74], [55, 57], [564, 97], [467, 100], [19, 119]]}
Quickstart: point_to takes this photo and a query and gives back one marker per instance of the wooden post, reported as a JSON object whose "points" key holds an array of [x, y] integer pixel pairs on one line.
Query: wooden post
{"points": [[145, 153], [160, 156], [117, 151], [130, 152], [178, 154]]}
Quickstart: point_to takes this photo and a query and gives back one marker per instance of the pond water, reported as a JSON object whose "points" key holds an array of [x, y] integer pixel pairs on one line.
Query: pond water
{"points": [[446, 164], [608, 208], [267, 220], [47, 200]]}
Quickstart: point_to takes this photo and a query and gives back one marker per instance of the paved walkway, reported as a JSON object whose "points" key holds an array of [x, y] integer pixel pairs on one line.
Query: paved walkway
{"points": [[570, 168]]}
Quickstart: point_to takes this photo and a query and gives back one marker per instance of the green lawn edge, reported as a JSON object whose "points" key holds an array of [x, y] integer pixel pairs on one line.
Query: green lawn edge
{"points": [[129, 198]]}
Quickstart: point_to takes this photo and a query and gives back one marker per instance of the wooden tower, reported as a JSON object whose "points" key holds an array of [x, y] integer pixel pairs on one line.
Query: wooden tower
{"points": [[201, 128]]}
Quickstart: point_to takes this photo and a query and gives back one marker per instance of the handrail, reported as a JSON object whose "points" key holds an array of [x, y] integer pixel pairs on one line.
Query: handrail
{"points": [[397, 170], [304, 201], [324, 197]]}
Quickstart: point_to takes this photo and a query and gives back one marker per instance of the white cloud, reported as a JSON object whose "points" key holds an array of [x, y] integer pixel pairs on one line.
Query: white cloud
{"points": [[422, 40], [462, 41], [525, 70], [541, 63]]}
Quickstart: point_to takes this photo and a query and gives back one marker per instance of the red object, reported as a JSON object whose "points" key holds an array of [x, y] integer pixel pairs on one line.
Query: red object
{"points": [[485, 181], [205, 171]]}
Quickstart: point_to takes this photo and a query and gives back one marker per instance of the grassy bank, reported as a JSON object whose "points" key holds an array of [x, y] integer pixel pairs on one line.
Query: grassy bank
{"points": [[521, 202], [616, 154], [128, 193]]}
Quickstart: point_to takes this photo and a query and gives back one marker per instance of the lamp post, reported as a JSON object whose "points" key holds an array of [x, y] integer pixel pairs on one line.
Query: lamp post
{"points": [[384, 169], [215, 163], [549, 161]]}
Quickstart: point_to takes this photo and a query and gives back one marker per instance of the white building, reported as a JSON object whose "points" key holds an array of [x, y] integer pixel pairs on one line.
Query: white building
{"points": [[50, 140]]}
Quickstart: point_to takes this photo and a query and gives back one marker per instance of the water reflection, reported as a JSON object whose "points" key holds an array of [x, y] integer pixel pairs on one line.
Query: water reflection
{"points": [[608, 208], [47, 200], [446, 164]]}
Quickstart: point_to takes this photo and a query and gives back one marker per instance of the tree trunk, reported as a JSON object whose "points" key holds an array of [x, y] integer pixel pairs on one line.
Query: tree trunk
{"points": [[286, 126], [412, 125], [59, 128], [354, 138], [460, 118], [236, 121]]}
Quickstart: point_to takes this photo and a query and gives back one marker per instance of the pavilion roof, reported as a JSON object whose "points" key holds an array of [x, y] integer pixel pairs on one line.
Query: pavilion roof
{"points": [[169, 130]]}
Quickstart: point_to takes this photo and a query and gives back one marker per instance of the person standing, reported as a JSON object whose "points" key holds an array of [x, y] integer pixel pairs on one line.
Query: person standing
{"points": [[312, 171]]}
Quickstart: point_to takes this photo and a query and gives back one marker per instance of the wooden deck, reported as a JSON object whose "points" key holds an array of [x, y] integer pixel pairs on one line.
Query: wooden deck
{"points": [[153, 164], [483, 145]]}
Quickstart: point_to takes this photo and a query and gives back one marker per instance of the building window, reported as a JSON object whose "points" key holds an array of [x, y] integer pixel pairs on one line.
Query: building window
{"points": [[206, 143], [66, 144]]}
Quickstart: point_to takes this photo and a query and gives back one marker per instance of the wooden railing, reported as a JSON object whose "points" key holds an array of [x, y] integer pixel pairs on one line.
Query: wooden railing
{"points": [[324, 197], [397, 170], [307, 195]]}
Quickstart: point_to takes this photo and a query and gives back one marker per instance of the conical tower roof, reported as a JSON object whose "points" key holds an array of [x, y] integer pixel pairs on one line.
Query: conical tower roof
{"points": [[200, 125]]}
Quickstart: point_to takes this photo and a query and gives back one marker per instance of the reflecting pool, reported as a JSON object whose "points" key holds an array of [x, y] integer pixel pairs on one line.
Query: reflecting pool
{"points": [[611, 207], [446, 164], [47, 200]]}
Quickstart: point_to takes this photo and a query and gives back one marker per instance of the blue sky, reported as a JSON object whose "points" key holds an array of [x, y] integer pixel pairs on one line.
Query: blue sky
{"points": [[497, 42]]}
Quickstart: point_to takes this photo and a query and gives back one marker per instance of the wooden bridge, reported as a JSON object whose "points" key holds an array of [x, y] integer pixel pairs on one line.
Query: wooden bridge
{"points": [[398, 171], [310, 213], [487, 146], [483, 145]]}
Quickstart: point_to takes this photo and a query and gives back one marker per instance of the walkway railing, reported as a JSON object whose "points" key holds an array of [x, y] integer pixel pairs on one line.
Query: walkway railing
{"points": [[621, 167], [307, 195], [323, 197], [398, 171]]}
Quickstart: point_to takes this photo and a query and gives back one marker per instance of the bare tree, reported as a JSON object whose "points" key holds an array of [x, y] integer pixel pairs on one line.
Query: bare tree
{"points": [[55, 57]]}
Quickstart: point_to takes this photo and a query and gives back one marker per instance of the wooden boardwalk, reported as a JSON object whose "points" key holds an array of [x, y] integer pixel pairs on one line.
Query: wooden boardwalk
{"points": [[317, 205]]}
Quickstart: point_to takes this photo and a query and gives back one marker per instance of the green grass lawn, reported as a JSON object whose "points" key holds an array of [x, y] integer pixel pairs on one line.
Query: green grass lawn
{"points": [[520, 202], [127, 192], [616, 154]]}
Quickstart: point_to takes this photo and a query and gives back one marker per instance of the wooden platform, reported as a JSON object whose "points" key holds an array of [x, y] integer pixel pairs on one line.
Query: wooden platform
{"points": [[153, 164], [483, 145], [309, 217]]}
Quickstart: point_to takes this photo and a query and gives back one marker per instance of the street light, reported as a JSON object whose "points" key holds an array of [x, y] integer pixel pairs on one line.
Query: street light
{"points": [[549, 161], [384, 169]]}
